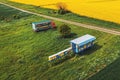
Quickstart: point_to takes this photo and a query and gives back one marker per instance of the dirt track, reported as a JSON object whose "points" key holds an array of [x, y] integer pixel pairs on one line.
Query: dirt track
{"points": [[69, 22]]}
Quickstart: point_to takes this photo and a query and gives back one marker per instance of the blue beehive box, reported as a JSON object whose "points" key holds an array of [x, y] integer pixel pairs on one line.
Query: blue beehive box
{"points": [[82, 43]]}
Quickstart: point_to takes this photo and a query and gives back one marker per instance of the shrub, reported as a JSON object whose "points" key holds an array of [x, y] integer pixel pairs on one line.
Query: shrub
{"points": [[62, 8], [64, 30], [2, 17], [16, 16]]}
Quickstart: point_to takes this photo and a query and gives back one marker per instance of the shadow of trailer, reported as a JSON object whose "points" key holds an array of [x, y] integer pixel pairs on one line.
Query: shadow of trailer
{"points": [[43, 25]]}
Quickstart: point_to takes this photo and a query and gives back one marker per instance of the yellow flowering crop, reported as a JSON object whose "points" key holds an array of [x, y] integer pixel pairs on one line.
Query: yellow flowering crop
{"points": [[102, 9]]}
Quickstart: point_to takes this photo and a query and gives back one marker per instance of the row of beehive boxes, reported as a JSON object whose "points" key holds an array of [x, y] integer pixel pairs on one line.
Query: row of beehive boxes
{"points": [[85, 46], [60, 54]]}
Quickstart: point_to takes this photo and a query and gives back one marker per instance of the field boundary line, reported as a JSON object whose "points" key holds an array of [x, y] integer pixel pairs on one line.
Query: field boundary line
{"points": [[67, 21]]}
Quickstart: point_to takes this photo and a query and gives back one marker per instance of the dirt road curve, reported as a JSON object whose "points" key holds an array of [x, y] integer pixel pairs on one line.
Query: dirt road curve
{"points": [[69, 22]]}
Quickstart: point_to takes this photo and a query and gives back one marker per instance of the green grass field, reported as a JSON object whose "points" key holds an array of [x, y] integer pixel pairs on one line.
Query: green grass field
{"points": [[69, 16], [24, 53], [111, 72]]}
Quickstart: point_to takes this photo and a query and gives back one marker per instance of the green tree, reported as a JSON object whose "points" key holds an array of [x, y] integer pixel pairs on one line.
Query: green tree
{"points": [[64, 30]]}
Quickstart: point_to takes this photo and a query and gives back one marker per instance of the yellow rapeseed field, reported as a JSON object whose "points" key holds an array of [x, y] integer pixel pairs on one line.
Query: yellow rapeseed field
{"points": [[102, 9]]}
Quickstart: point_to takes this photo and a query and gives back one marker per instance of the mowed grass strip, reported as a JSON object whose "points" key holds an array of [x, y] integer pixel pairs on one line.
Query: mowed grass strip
{"points": [[24, 53], [102, 9]]}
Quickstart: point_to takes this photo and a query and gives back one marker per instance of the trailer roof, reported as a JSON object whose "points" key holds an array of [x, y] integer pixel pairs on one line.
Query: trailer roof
{"points": [[61, 52], [83, 40], [41, 22]]}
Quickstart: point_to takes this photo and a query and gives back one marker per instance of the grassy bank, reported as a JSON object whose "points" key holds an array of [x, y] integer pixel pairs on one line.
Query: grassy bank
{"points": [[24, 53], [111, 72], [69, 16]]}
